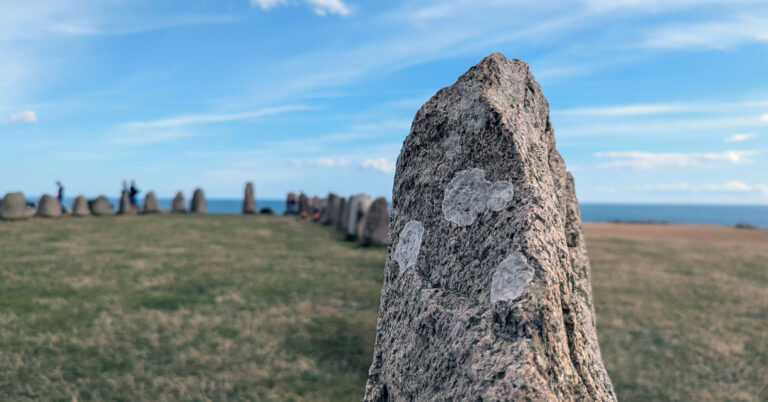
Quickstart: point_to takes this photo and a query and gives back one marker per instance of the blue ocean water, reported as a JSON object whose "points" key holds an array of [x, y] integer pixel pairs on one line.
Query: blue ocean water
{"points": [[727, 215]]}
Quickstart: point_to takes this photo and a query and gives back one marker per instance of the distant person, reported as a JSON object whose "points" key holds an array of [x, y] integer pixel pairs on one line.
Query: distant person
{"points": [[292, 201], [60, 196], [303, 216], [132, 192], [316, 216]]}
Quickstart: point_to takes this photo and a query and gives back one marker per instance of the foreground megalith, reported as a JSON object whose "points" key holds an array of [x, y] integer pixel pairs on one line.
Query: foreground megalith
{"points": [[80, 206], [151, 205], [13, 206], [374, 230], [48, 207], [179, 203], [100, 206], [199, 204], [249, 200], [486, 291]]}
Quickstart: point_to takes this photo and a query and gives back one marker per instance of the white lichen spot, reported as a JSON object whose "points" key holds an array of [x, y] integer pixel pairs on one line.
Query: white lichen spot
{"points": [[452, 145], [408, 245], [469, 194], [511, 278]]}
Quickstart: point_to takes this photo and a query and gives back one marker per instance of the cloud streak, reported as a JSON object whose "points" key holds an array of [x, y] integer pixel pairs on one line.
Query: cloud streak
{"points": [[647, 160], [739, 137], [320, 7], [27, 116], [186, 120]]}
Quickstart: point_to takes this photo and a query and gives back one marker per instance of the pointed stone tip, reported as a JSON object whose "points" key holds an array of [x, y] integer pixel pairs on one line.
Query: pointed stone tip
{"points": [[498, 59]]}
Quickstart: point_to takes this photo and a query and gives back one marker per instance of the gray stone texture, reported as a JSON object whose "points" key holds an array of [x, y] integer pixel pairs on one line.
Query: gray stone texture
{"points": [[199, 205], [496, 304], [249, 200], [80, 206], [151, 205], [358, 205], [13, 206], [332, 210], [374, 231], [100, 206], [179, 203], [48, 207]]}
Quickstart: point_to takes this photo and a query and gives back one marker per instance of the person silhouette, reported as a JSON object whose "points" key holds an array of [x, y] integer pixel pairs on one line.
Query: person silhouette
{"points": [[60, 196], [132, 192]]}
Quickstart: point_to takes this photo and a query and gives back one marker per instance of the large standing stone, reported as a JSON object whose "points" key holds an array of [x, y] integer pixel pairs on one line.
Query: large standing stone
{"points": [[100, 206], [126, 208], [151, 205], [249, 201], [366, 205], [199, 205], [358, 204], [80, 206], [48, 207], [486, 291], [13, 206], [374, 231], [179, 203]]}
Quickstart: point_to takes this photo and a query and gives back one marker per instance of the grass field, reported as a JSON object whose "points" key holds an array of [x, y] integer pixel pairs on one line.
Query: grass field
{"points": [[267, 308]]}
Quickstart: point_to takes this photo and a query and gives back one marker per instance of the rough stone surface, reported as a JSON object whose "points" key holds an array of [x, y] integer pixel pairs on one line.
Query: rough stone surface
{"points": [[249, 201], [374, 231], [13, 206], [100, 206], [151, 206], [199, 205], [48, 207], [358, 205], [125, 207], [492, 301], [332, 210], [80, 206], [179, 204]]}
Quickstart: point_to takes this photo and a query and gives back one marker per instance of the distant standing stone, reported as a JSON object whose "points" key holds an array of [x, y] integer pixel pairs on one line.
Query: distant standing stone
{"points": [[331, 209], [179, 204], [100, 206], [486, 291], [342, 211], [80, 206], [304, 207], [151, 205], [249, 201], [358, 205], [126, 208], [13, 206], [376, 224], [199, 205], [48, 207]]}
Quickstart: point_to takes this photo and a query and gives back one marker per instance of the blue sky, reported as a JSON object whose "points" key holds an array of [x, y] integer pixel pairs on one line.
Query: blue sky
{"points": [[652, 101]]}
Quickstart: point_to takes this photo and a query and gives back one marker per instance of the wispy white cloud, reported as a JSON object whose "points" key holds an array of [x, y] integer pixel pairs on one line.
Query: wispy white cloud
{"points": [[381, 164], [320, 7], [27, 116], [648, 160], [718, 34], [726, 187], [765, 118], [628, 110], [739, 137], [186, 120], [321, 162]]}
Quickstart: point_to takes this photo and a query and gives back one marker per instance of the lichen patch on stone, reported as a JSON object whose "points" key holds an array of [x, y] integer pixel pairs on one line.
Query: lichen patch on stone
{"points": [[469, 194], [511, 278], [409, 245]]}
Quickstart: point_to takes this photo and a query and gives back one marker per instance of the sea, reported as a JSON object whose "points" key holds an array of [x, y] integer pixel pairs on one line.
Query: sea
{"points": [[726, 215]]}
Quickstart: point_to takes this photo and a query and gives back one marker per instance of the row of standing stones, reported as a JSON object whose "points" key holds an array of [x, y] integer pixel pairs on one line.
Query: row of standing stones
{"points": [[14, 206], [359, 217]]}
